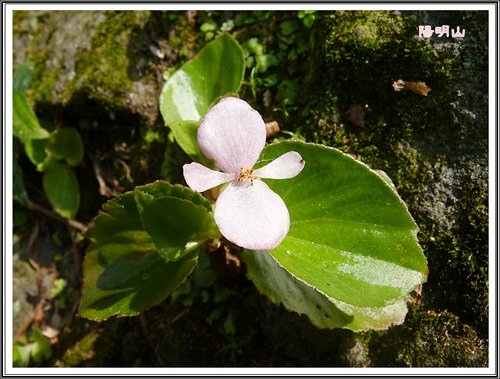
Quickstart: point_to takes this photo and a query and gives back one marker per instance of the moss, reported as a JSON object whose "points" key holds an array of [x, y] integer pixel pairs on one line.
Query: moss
{"points": [[359, 68], [459, 256], [51, 42], [363, 29], [360, 71], [81, 351], [353, 105], [103, 70], [99, 56], [430, 339], [27, 25], [104, 344], [44, 89], [99, 68]]}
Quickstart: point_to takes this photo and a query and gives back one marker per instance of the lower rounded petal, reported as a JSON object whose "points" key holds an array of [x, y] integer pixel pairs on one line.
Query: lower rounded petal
{"points": [[251, 215]]}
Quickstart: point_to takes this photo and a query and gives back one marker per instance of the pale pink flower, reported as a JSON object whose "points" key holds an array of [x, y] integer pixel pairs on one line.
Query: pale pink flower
{"points": [[247, 212]]}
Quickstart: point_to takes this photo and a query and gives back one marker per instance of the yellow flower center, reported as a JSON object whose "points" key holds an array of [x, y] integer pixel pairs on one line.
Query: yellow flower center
{"points": [[246, 174]]}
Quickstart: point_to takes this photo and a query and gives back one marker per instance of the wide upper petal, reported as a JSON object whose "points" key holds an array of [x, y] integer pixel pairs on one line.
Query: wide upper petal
{"points": [[233, 134], [251, 215], [201, 178], [285, 166]]}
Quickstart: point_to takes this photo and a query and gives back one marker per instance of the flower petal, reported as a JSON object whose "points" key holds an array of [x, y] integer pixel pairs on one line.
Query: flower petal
{"points": [[233, 134], [251, 215], [285, 166], [201, 178]]}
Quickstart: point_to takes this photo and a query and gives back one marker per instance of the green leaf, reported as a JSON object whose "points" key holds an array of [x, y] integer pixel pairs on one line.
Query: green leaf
{"points": [[351, 237], [208, 26], [203, 274], [254, 46], [26, 125], [19, 193], [37, 349], [19, 218], [61, 187], [289, 27], [162, 188], [265, 61], [186, 136], [22, 78], [124, 271], [66, 144], [21, 355], [280, 286], [188, 93], [176, 225], [288, 91], [308, 17], [42, 349], [36, 151]]}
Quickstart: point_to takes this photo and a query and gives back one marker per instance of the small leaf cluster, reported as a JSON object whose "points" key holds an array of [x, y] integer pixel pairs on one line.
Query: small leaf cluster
{"points": [[54, 152], [35, 348], [144, 244], [202, 286], [211, 25], [274, 62]]}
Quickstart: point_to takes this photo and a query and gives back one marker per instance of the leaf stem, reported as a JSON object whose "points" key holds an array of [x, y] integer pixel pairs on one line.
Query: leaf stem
{"points": [[81, 227]]}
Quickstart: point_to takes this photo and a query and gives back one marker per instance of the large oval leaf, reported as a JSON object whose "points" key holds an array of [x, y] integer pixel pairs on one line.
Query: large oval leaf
{"points": [[61, 187], [186, 96], [124, 270], [351, 237], [324, 312]]}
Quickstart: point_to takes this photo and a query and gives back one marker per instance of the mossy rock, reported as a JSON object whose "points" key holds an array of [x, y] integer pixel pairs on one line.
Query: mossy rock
{"points": [[102, 72], [433, 146], [430, 339], [88, 53]]}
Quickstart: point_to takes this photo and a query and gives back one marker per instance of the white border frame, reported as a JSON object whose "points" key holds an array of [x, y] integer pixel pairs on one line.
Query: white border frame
{"points": [[7, 369]]}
